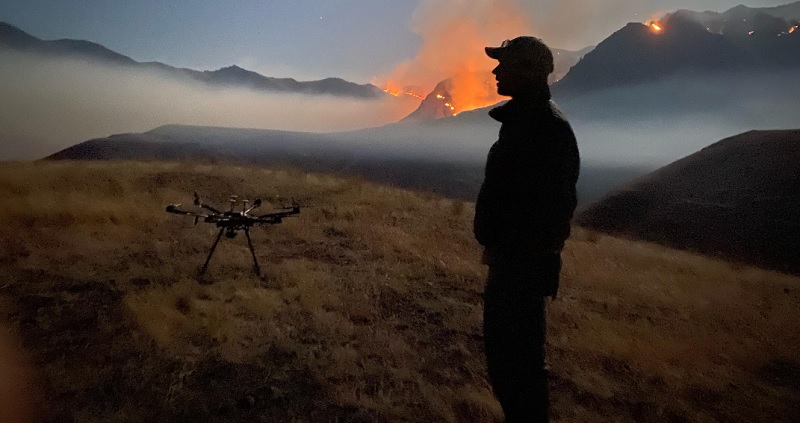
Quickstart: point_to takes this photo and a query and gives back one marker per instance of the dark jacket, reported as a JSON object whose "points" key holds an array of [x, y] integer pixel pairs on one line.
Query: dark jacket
{"points": [[528, 195]]}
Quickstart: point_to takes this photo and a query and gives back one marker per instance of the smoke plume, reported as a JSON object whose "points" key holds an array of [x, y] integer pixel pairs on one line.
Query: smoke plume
{"points": [[454, 34]]}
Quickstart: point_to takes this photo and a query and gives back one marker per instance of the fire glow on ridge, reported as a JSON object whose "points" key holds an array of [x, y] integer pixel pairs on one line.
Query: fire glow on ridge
{"points": [[656, 27]]}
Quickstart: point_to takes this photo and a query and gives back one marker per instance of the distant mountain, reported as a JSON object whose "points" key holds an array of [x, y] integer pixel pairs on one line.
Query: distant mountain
{"points": [[233, 76], [739, 22], [738, 199], [690, 43], [564, 60], [16, 39]]}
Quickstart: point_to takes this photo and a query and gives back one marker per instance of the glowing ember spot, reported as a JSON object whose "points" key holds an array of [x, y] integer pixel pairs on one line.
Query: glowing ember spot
{"points": [[792, 29], [414, 95], [656, 27], [751, 33], [447, 104]]}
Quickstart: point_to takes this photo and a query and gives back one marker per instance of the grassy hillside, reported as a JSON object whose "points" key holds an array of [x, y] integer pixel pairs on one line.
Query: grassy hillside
{"points": [[746, 210], [369, 309]]}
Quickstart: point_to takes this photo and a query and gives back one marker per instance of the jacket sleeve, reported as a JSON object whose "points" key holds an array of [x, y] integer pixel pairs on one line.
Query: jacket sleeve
{"points": [[485, 222]]}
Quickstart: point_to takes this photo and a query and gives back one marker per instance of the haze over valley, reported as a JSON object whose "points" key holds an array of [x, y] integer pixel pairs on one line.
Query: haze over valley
{"points": [[52, 101]]}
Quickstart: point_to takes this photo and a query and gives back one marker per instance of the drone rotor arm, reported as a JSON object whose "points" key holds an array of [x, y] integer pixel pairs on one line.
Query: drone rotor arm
{"points": [[295, 209], [268, 220], [174, 209], [286, 213], [209, 208]]}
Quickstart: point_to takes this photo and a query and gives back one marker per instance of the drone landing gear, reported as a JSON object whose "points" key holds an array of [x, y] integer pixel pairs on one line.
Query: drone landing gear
{"points": [[252, 252], [214, 247]]}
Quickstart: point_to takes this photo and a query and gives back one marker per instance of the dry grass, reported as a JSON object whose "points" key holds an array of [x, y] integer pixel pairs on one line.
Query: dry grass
{"points": [[369, 308]]}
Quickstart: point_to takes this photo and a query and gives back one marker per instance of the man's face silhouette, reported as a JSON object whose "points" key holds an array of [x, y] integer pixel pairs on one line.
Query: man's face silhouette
{"points": [[513, 77]]}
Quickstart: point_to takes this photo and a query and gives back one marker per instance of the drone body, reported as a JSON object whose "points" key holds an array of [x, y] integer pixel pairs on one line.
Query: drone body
{"points": [[231, 221]]}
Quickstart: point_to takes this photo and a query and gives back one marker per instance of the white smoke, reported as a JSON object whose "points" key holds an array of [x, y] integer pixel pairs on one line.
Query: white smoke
{"points": [[50, 104]]}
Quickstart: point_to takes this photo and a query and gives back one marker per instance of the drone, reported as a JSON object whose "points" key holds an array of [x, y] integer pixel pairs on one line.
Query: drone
{"points": [[230, 222]]}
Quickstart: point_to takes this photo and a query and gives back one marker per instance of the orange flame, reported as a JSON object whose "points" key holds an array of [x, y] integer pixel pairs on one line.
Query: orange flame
{"points": [[792, 29], [656, 27], [392, 88], [454, 34]]}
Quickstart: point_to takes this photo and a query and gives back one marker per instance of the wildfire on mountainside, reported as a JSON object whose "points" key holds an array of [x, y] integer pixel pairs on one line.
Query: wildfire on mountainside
{"points": [[467, 91], [399, 93], [442, 103], [792, 29], [396, 90]]}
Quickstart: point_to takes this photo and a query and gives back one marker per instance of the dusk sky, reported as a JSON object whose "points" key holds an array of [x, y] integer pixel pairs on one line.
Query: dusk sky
{"points": [[358, 40]]}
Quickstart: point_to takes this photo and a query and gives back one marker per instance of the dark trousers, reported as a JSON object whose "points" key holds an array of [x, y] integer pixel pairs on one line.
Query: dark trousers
{"points": [[514, 328]]}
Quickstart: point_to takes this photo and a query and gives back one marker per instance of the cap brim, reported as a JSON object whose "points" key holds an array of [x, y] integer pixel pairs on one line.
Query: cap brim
{"points": [[494, 52]]}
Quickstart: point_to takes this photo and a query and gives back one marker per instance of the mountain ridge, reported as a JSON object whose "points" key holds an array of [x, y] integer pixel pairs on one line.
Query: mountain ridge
{"points": [[636, 54], [16, 39]]}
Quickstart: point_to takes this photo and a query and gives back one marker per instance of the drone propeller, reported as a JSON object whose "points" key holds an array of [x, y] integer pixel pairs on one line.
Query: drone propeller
{"points": [[199, 203], [278, 215], [174, 208]]}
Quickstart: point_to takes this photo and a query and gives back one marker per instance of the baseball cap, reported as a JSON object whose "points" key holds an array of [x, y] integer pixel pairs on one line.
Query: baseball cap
{"points": [[529, 50]]}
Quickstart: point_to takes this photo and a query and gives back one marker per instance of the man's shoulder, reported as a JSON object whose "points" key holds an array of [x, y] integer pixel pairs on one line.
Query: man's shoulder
{"points": [[559, 118]]}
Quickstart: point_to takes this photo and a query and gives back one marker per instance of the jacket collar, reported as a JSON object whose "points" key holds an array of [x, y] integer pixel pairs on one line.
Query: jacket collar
{"points": [[518, 105]]}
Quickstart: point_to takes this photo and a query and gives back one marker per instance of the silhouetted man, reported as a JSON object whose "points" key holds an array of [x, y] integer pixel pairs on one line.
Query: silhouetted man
{"points": [[522, 218]]}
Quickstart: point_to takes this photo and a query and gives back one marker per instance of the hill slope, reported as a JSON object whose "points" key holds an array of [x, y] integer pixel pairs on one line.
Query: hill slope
{"points": [[439, 156], [736, 199], [370, 309]]}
